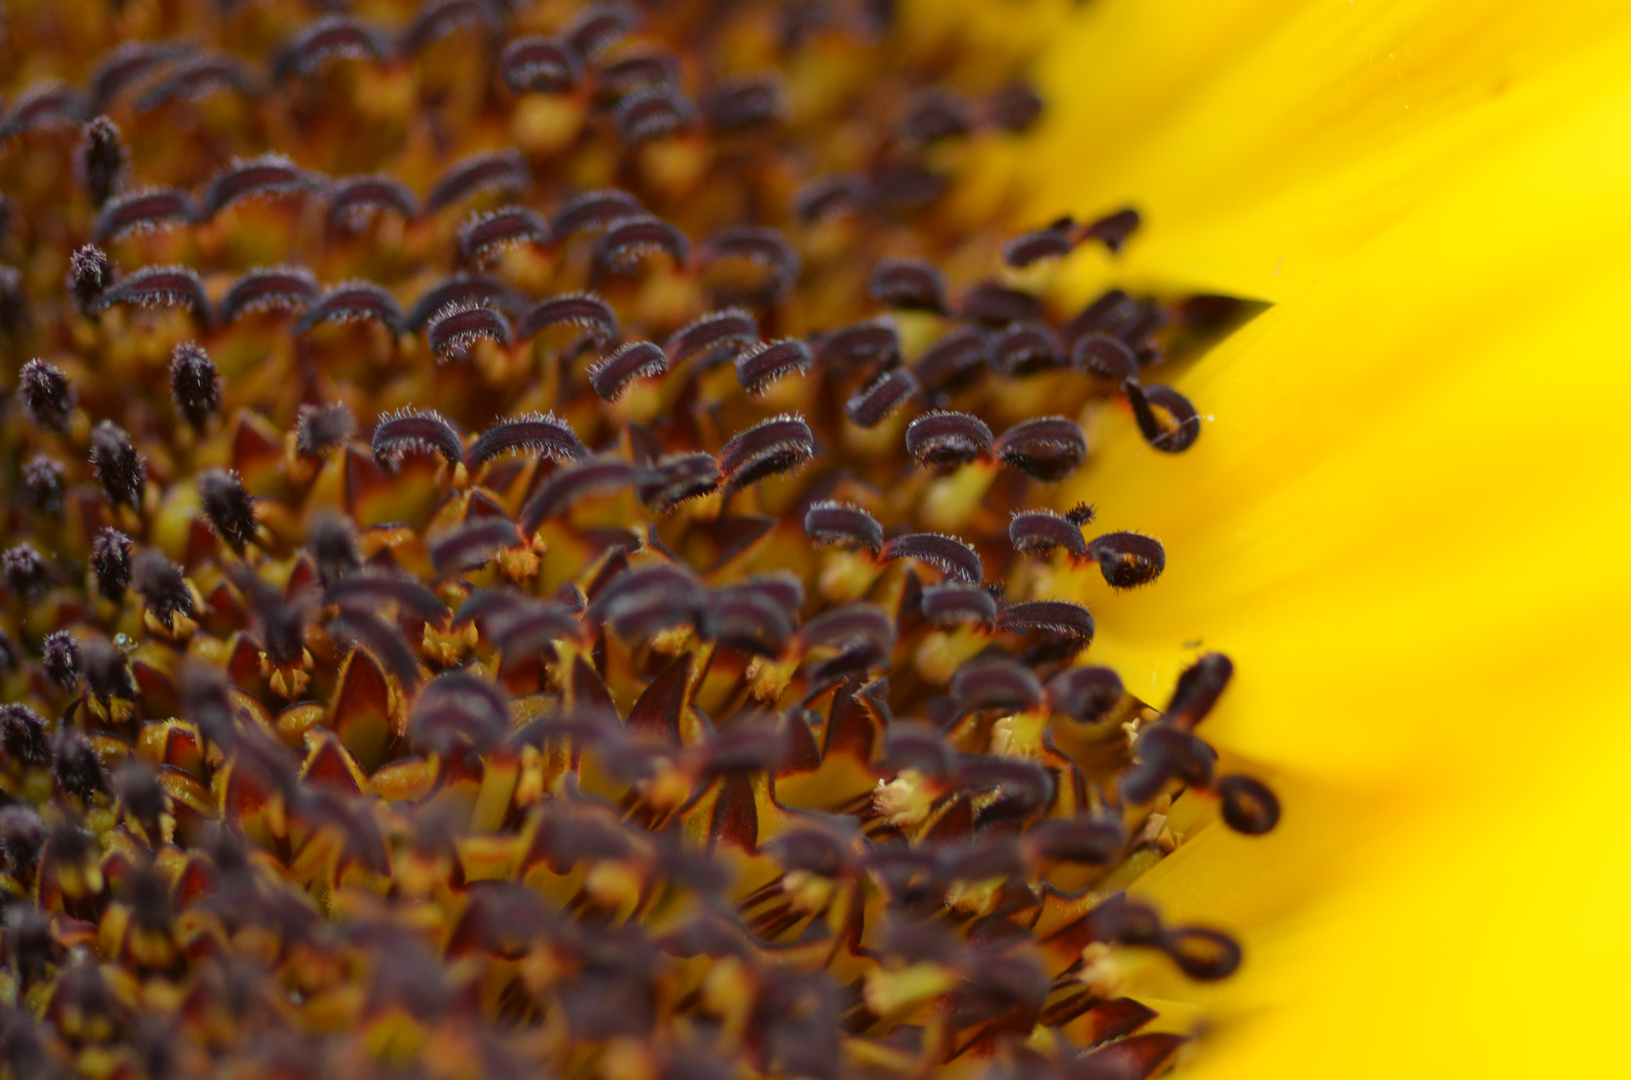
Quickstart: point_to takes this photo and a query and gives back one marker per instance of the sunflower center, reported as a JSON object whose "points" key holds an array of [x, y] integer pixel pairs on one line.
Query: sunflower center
{"points": [[550, 537]]}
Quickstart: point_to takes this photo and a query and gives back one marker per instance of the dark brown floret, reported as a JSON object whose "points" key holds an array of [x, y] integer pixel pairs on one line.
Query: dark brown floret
{"points": [[843, 525], [1085, 694], [951, 605], [27, 573], [581, 479], [1038, 532], [228, 508], [777, 445], [612, 374], [600, 26], [675, 480], [953, 360], [999, 305], [332, 542], [1105, 357], [418, 431], [765, 247], [636, 70], [880, 396], [935, 114], [437, 19], [500, 170], [145, 211], [577, 309], [162, 286], [1033, 247], [628, 240], [483, 236], [1112, 230], [1203, 954], [269, 288], [909, 284], [353, 301], [163, 589], [715, 332], [1128, 559], [764, 364], [195, 78], [336, 37], [593, 211], [195, 384], [1059, 617], [996, 683], [455, 329], [22, 733], [1165, 417], [1048, 448], [269, 174], [321, 429], [43, 489], [353, 199], [1249, 806], [101, 159], [871, 341], [107, 676], [59, 654], [110, 559], [116, 462], [1026, 348], [540, 65], [1199, 687], [745, 101], [830, 196], [371, 591], [47, 394], [77, 767], [1013, 107], [90, 274], [471, 545], [951, 556], [540, 433]]}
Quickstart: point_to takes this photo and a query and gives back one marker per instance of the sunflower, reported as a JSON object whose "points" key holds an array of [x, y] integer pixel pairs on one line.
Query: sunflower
{"points": [[699, 540]]}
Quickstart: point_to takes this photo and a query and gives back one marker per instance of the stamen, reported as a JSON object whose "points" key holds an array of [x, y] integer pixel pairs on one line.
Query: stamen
{"points": [[1127, 559], [321, 429], [538, 433], [280, 288], [766, 363], [838, 524], [948, 439], [540, 65], [780, 444], [336, 37], [909, 284], [949, 555], [611, 375], [417, 431], [483, 236], [353, 199], [1048, 448], [115, 462], [584, 310], [110, 559], [353, 301], [90, 274], [229, 509]]}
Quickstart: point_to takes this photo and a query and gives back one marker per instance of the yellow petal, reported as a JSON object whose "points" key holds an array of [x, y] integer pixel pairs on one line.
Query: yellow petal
{"points": [[1267, 139], [1405, 521]]}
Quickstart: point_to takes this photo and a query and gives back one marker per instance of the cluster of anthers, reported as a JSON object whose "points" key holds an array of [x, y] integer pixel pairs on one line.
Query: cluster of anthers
{"points": [[501, 516]]}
